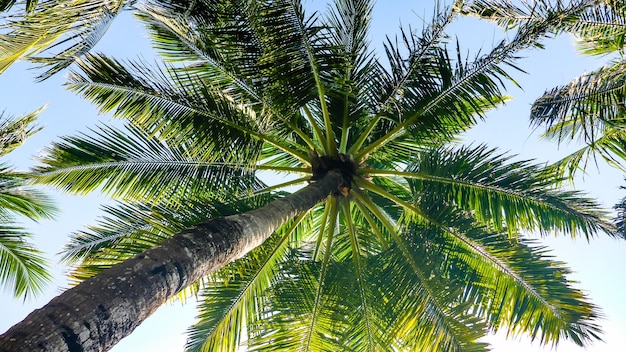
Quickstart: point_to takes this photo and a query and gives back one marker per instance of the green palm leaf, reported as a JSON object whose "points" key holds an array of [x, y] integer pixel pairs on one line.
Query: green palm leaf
{"points": [[557, 16], [438, 319], [479, 180], [23, 268], [229, 305], [216, 48], [15, 130], [514, 284], [587, 109], [454, 94], [71, 26], [146, 96], [126, 163], [6, 5], [603, 27], [17, 197]]}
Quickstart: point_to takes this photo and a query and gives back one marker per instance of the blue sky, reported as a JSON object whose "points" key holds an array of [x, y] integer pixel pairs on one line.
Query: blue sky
{"points": [[597, 265]]}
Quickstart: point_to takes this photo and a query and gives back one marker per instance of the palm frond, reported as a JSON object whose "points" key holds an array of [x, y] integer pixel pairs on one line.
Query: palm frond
{"points": [[195, 112], [23, 268], [364, 333], [18, 197], [79, 43], [585, 108], [409, 74], [295, 54], [602, 28], [620, 218], [230, 304], [14, 130], [348, 22], [212, 41], [334, 312], [220, 47], [74, 26], [6, 5], [479, 180], [457, 94], [126, 163], [610, 147], [513, 284], [558, 15], [429, 315]]}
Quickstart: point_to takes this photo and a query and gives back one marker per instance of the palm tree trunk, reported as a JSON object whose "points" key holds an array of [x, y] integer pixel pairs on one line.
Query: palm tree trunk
{"points": [[99, 312]]}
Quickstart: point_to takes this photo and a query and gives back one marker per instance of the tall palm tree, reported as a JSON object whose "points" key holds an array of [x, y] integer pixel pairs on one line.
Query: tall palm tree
{"points": [[23, 269], [590, 108], [400, 238]]}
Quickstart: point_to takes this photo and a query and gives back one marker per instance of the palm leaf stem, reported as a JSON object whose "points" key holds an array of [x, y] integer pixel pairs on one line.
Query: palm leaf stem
{"points": [[383, 193], [298, 170], [320, 233], [368, 205], [330, 139], [356, 256], [309, 142], [316, 129], [70, 252], [581, 96], [456, 182], [198, 164], [374, 227], [320, 288], [599, 23], [359, 142], [391, 135], [499, 264], [447, 180], [346, 118]]}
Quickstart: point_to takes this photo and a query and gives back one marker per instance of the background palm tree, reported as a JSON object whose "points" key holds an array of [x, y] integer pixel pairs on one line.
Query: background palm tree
{"points": [[22, 266], [590, 108], [419, 245]]}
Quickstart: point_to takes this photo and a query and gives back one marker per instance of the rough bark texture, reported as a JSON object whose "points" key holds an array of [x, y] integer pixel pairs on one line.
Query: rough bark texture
{"points": [[99, 312]]}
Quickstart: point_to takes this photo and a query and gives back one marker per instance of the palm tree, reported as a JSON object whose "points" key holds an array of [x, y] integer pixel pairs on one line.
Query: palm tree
{"points": [[22, 266], [400, 239], [590, 108]]}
